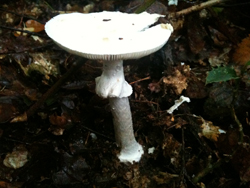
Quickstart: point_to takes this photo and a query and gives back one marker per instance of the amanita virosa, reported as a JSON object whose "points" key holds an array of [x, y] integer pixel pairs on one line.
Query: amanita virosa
{"points": [[112, 37]]}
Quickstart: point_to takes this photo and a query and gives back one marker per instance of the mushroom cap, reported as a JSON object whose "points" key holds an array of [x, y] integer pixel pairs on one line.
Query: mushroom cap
{"points": [[108, 35]]}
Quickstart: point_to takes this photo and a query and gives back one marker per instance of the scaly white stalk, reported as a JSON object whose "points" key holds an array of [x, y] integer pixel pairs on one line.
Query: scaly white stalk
{"points": [[112, 84], [131, 150]]}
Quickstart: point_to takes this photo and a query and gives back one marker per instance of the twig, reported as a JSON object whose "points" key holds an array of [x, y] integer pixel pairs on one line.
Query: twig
{"points": [[209, 168], [75, 67], [183, 172], [87, 64], [150, 102], [196, 8], [147, 78], [239, 125], [234, 4], [97, 133], [23, 31]]}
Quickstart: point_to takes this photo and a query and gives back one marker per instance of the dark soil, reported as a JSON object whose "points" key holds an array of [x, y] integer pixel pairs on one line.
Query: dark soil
{"points": [[56, 132]]}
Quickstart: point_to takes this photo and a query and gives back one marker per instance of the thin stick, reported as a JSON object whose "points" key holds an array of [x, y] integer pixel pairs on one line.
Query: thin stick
{"points": [[208, 169], [150, 102], [183, 171], [98, 133], [196, 8], [147, 78], [23, 31], [239, 125]]}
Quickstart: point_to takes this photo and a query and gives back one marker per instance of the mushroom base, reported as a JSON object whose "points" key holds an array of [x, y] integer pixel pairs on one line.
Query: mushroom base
{"points": [[132, 154], [112, 82], [131, 150]]}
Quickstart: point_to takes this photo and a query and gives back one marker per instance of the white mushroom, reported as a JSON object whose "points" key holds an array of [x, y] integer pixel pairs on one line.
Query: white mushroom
{"points": [[112, 37]]}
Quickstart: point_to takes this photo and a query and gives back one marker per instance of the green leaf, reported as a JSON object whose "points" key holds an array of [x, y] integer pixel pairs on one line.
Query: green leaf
{"points": [[143, 7], [218, 9], [221, 74], [247, 64]]}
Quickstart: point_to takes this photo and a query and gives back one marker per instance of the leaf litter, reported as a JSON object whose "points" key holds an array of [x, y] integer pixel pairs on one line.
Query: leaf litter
{"points": [[203, 144]]}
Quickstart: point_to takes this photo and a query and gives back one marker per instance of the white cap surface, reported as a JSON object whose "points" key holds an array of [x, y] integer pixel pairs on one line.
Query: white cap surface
{"points": [[108, 35]]}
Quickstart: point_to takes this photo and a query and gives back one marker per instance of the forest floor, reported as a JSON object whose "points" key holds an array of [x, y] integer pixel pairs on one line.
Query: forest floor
{"points": [[56, 132]]}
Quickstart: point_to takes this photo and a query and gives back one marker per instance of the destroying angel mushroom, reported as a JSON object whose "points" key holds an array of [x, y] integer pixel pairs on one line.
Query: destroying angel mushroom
{"points": [[112, 37]]}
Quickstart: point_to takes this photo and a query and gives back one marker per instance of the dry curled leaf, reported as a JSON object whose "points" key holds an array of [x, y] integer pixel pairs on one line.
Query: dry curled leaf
{"points": [[34, 26], [31, 26], [41, 62], [16, 159], [210, 131], [59, 123], [178, 80], [242, 53], [20, 118]]}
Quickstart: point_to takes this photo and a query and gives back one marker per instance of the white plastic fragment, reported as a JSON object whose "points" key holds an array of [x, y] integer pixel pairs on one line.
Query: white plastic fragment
{"points": [[93, 136], [222, 131], [173, 2], [151, 150], [178, 103]]}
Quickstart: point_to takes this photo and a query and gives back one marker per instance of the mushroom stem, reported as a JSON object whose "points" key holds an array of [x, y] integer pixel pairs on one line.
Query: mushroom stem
{"points": [[112, 82], [131, 150]]}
